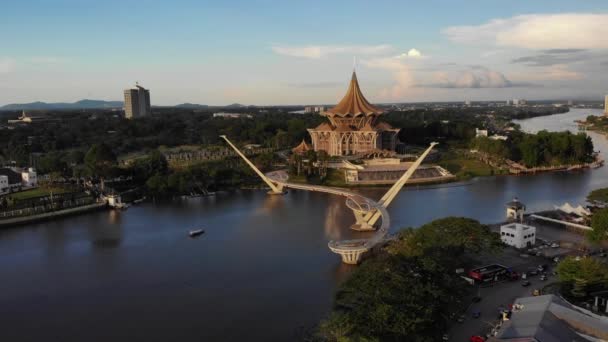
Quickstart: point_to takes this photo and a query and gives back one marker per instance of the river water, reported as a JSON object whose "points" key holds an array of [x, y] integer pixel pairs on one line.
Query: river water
{"points": [[262, 271]]}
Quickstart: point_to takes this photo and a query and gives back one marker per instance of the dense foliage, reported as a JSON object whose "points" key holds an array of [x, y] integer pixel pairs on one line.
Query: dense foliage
{"points": [[599, 223], [600, 195], [408, 293], [56, 139], [581, 275], [542, 149]]}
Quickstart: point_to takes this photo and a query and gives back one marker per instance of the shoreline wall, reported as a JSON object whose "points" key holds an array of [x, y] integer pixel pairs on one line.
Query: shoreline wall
{"points": [[49, 215]]}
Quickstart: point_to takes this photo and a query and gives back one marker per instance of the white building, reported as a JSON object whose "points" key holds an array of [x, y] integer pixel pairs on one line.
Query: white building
{"points": [[499, 137], [4, 187], [29, 177], [231, 115], [518, 235], [519, 102], [515, 210], [481, 132]]}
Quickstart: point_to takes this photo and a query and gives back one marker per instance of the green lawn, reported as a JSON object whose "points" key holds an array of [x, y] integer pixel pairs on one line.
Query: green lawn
{"points": [[38, 192], [464, 167], [599, 195]]}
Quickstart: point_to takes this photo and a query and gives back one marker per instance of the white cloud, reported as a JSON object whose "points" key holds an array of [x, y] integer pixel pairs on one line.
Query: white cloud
{"points": [[476, 77], [537, 31], [7, 64], [320, 51], [404, 78], [556, 72], [412, 53]]}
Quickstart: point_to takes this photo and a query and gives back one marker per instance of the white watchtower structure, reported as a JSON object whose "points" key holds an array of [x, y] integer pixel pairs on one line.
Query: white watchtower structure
{"points": [[515, 210]]}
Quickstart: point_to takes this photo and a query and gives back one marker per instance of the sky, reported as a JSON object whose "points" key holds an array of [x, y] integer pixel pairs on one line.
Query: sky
{"points": [[303, 52]]}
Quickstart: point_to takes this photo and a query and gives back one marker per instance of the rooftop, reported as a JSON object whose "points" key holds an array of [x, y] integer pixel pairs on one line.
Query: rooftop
{"points": [[354, 103], [549, 318]]}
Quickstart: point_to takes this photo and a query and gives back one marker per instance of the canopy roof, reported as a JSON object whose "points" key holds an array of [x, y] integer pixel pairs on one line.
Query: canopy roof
{"points": [[302, 148], [354, 103]]}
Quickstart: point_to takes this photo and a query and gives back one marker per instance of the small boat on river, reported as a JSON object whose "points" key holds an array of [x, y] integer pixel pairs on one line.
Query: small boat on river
{"points": [[196, 232]]}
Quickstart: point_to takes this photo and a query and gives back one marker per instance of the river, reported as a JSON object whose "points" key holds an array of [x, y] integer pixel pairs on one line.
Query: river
{"points": [[261, 272]]}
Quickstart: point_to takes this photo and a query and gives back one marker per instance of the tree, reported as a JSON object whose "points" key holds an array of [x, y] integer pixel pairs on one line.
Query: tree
{"points": [[51, 162], [99, 158], [600, 195], [408, 293], [157, 184], [578, 275], [599, 223]]}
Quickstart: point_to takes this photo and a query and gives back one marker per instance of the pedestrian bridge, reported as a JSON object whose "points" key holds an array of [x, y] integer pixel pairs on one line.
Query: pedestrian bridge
{"points": [[367, 211]]}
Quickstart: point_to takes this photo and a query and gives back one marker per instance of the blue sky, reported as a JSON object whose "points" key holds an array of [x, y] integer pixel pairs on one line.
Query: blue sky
{"points": [[301, 52]]}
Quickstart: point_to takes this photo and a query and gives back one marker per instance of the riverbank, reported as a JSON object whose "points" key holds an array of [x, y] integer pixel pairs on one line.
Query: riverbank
{"points": [[21, 220]]}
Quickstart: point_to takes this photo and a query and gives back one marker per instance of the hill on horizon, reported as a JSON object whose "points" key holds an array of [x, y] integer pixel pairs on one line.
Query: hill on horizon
{"points": [[82, 104]]}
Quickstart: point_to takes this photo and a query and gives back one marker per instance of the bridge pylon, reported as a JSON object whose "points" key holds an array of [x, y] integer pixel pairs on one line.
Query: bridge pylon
{"points": [[275, 188], [366, 217]]}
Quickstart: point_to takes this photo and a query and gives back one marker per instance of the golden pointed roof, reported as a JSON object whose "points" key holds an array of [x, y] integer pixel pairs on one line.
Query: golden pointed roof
{"points": [[302, 148], [354, 103]]}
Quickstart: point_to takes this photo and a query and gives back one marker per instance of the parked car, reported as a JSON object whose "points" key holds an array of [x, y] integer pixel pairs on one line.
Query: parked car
{"points": [[525, 283], [555, 245], [543, 277], [476, 299], [476, 338]]}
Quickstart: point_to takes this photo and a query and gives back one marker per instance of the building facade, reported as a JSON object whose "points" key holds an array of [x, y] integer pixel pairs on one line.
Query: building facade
{"points": [[518, 235], [137, 102], [4, 186], [29, 177], [353, 128]]}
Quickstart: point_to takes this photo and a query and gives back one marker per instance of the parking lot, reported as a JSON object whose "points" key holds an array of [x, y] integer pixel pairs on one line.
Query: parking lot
{"points": [[498, 295]]}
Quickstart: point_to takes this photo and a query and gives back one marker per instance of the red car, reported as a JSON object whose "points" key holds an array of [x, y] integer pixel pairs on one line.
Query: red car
{"points": [[476, 338]]}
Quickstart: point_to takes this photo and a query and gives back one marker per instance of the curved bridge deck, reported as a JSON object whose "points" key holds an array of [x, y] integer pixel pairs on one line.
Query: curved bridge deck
{"points": [[350, 250]]}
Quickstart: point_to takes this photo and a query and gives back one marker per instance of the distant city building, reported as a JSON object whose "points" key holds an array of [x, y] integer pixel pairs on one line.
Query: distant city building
{"points": [[314, 109], [509, 102], [570, 103], [137, 102], [353, 127], [16, 178], [498, 137], [231, 115], [606, 105], [4, 187], [518, 235], [481, 132], [467, 103], [519, 102], [29, 177], [28, 119]]}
